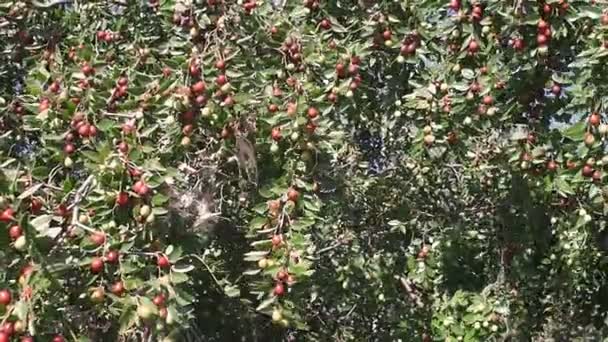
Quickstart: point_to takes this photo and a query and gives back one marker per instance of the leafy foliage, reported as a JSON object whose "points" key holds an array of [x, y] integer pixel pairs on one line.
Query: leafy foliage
{"points": [[303, 170]]}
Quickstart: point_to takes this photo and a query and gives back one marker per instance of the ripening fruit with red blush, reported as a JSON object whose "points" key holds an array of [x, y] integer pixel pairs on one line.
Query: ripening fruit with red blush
{"points": [[594, 119], [556, 89], [312, 112], [454, 5], [159, 300], [98, 238], [277, 239], [123, 147], [162, 261], [587, 171], [276, 134], [387, 34], [44, 105], [7, 215], [220, 64], [282, 275], [112, 256], [597, 175], [58, 338], [15, 232], [118, 288], [54, 87], [488, 100], [141, 188], [332, 97], [96, 265], [541, 39], [4, 337], [69, 148], [310, 128], [293, 195], [221, 80], [473, 46], [198, 87], [5, 297], [278, 290], [325, 24], [101, 35], [188, 129], [122, 198], [35, 206], [340, 68], [87, 70], [83, 130], [518, 44], [8, 328], [195, 71]]}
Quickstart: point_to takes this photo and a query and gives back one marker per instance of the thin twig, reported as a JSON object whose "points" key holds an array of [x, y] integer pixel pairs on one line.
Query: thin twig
{"points": [[327, 249], [80, 194], [411, 292], [202, 260]]}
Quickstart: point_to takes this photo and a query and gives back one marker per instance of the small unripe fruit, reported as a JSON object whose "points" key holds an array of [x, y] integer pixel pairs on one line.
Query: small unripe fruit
{"points": [[145, 210], [83, 219], [277, 315], [589, 139], [98, 295], [20, 243], [274, 148], [146, 312], [68, 162]]}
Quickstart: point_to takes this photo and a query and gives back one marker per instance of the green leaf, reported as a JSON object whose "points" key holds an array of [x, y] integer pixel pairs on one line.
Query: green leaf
{"points": [[266, 303], [127, 320], [41, 224], [255, 255], [576, 132]]}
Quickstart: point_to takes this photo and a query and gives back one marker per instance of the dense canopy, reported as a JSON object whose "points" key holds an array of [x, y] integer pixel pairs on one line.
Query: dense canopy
{"points": [[303, 170]]}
